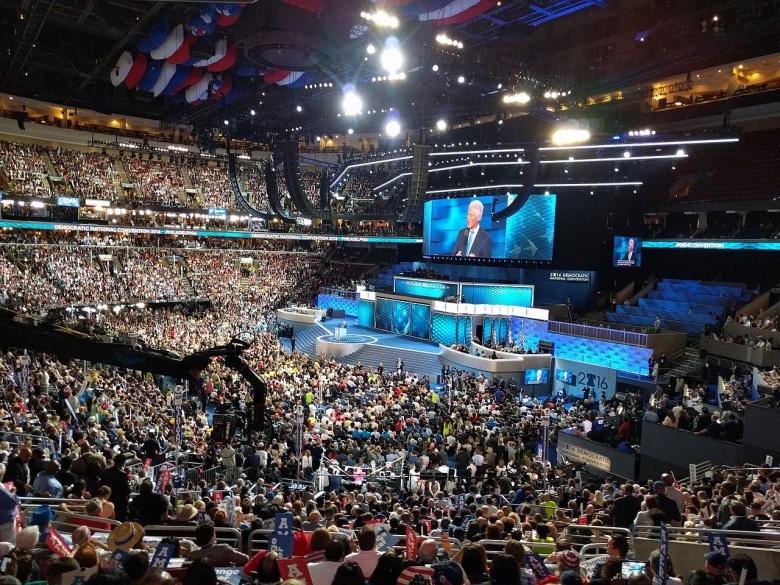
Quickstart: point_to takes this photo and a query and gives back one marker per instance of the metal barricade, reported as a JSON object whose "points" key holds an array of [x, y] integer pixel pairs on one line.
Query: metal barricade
{"points": [[580, 535], [258, 540], [229, 536], [763, 539]]}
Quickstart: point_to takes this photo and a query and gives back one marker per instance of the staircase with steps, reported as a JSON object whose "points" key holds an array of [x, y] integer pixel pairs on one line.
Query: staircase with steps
{"points": [[121, 178], [418, 362], [688, 364], [186, 283]]}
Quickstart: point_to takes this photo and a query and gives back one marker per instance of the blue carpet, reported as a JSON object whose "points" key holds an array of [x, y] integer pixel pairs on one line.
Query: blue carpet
{"points": [[383, 337]]}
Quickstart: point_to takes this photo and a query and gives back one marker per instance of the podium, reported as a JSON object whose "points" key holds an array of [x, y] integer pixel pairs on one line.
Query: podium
{"points": [[341, 333]]}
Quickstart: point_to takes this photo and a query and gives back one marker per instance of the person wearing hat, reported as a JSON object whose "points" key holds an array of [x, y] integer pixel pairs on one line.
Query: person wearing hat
{"points": [[42, 517], [716, 564], [185, 516], [126, 536], [567, 560]]}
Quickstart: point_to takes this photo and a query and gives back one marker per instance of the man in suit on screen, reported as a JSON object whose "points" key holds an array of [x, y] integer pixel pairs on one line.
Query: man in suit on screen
{"points": [[472, 240], [630, 256]]}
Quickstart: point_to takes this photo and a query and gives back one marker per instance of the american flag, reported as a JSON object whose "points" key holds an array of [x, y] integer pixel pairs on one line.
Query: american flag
{"points": [[493, 332], [521, 337]]}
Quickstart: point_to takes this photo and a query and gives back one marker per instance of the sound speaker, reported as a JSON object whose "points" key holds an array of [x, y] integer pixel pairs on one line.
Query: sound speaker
{"points": [[418, 187]]}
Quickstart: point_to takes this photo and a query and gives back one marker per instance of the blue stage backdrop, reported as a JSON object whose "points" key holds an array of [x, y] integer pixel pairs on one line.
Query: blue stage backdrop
{"points": [[443, 330], [366, 313], [431, 289], [526, 235], [384, 314], [349, 306], [420, 323], [498, 294], [401, 311]]}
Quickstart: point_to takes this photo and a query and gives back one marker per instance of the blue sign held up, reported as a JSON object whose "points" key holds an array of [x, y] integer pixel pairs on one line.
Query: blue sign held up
{"points": [[663, 554], [719, 543], [281, 541]]}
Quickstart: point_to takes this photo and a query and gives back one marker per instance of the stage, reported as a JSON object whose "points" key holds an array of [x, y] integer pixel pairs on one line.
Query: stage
{"points": [[374, 346]]}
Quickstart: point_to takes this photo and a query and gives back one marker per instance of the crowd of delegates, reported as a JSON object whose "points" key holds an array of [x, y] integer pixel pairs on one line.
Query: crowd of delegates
{"points": [[211, 182], [366, 418], [25, 168], [155, 180], [89, 174], [255, 187], [148, 274]]}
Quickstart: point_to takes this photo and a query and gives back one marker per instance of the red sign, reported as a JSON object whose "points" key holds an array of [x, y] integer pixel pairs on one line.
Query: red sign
{"points": [[411, 544], [217, 497], [56, 543], [582, 520], [294, 568]]}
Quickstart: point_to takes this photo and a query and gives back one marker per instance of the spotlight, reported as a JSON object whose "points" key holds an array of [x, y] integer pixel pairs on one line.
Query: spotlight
{"points": [[350, 131], [435, 68], [252, 112], [318, 138], [393, 128], [681, 153], [370, 49], [461, 79], [299, 108], [626, 154], [517, 98], [570, 136], [392, 59], [352, 103], [226, 122], [441, 125]]}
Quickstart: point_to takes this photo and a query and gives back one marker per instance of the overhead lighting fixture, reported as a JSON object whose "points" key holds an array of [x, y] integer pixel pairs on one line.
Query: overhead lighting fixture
{"points": [[461, 79], [570, 136], [298, 108], [517, 98], [370, 49], [252, 112], [441, 125], [443, 39], [381, 18], [350, 131], [352, 104], [393, 128], [392, 59]]}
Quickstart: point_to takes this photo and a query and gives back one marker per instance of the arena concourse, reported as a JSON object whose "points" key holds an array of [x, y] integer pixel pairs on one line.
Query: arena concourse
{"points": [[454, 303]]}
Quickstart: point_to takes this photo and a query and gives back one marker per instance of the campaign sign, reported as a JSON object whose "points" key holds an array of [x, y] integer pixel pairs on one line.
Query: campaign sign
{"points": [[663, 556], [411, 544], [78, 577], [385, 540], [719, 543], [57, 543], [119, 557], [231, 575], [537, 565], [281, 541], [294, 568], [163, 555]]}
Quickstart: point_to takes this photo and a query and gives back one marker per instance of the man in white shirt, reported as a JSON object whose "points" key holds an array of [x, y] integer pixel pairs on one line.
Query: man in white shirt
{"points": [[368, 556], [322, 573]]}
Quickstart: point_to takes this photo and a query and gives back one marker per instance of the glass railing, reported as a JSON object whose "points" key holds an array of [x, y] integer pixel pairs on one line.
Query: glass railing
{"points": [[603, 333], [620, 366], [338, 292]]}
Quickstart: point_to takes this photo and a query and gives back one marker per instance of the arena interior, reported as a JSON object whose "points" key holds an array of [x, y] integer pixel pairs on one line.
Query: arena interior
{"points": [[415, 292]]}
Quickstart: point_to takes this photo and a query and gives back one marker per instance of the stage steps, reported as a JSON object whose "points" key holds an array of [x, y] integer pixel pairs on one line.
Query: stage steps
{"points": [[421, 363], [306, 339]]}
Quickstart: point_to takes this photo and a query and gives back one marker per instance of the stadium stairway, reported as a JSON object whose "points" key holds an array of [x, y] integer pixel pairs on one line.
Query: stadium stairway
{"points": [[687, 306], [418, 362]]}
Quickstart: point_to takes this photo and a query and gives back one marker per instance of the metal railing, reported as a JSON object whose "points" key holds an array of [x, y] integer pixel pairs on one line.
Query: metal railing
{"points": [[762, 539], [229, 536], [600, 332]]}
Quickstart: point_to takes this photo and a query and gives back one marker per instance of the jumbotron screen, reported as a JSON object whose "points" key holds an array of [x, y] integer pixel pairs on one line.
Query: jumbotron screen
{"points": [[463, 227], [627, 251]]}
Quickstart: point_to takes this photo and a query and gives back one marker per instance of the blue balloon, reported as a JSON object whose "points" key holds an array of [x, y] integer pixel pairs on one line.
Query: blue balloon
{"points": [[155, 37], [177, 79], [150, 77]]}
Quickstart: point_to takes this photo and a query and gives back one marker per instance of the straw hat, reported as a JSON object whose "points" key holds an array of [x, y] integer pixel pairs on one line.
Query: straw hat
{"points": [[186, 512], [125, 536]]}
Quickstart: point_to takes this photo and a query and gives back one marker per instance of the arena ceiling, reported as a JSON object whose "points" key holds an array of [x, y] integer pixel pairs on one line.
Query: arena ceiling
{"points": [[289, 61]]}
